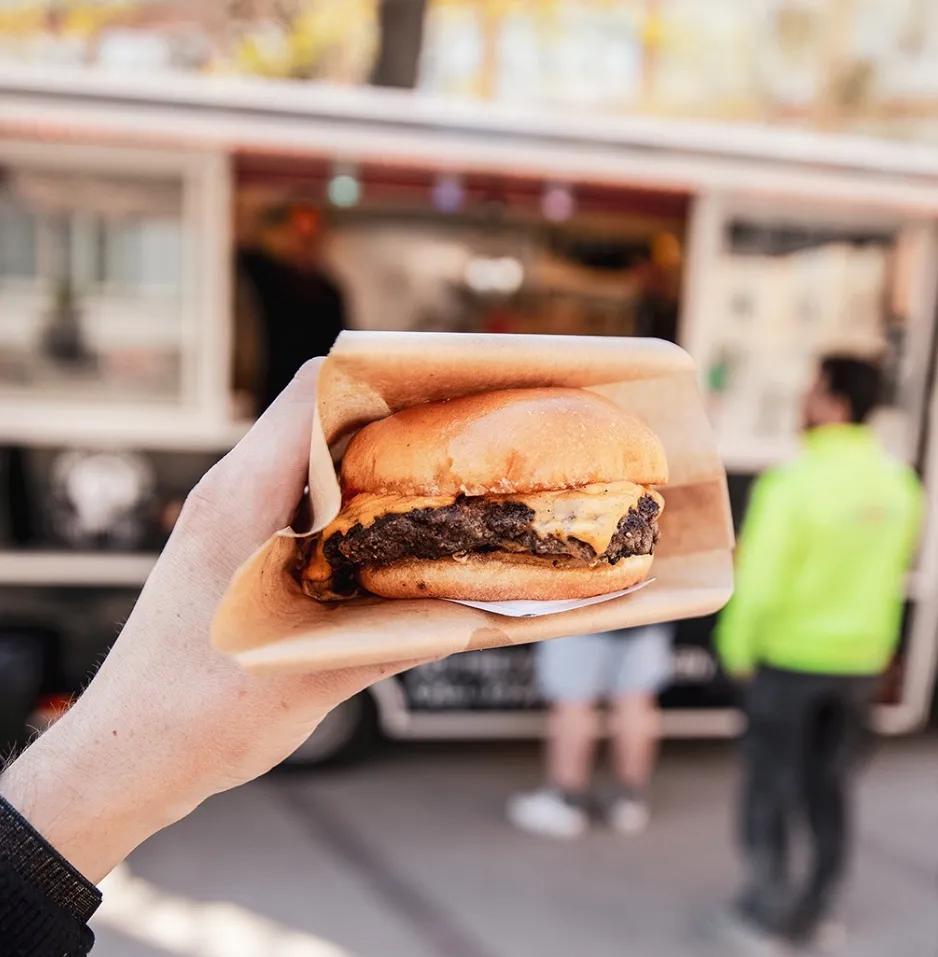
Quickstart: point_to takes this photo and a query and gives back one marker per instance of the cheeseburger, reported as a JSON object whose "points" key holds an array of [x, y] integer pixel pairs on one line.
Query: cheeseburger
{"points": [[519, 494]]}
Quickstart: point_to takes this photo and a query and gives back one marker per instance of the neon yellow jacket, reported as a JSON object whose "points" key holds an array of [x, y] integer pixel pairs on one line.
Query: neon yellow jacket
{"points": [[822, 558]]}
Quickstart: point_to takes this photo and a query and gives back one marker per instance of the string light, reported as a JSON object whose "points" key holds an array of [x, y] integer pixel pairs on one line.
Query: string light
{"points": [[557, 202], [449, 194], [344, 188], [503, 275]]}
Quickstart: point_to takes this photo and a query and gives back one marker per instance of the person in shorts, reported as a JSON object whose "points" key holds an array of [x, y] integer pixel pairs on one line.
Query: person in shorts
{"points": [[624, 669]]}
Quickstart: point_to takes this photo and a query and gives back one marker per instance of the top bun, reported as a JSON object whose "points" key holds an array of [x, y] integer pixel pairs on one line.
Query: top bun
{"points": [[516, 440]]}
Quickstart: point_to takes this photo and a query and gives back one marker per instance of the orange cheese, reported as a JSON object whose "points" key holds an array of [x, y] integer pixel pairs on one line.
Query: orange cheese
{"points": [[318, 568], [589, 513], [363, 510]]}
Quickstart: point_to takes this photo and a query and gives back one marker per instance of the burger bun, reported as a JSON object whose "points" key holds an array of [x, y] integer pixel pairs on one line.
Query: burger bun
{"points": [[503, 576], [506, 442]]}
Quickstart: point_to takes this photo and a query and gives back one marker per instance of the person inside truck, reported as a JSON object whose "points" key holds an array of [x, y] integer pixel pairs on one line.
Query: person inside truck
{"points": [[296, 307]]}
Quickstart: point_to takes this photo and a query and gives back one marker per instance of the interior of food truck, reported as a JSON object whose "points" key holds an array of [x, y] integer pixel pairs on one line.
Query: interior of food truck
{"points": [[432, 249]]}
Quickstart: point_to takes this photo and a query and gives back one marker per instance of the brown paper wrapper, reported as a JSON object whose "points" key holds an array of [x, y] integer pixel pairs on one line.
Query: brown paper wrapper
{"points": [[268, 625]]}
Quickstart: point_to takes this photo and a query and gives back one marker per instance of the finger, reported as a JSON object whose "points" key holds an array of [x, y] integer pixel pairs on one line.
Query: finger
{"points": [[280, 437], [264, 474]]}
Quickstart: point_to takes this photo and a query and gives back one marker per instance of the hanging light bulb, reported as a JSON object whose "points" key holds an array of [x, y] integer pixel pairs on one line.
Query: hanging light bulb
{"points": [[557, 202], [449, 194], [344, 188], [503, 275]]}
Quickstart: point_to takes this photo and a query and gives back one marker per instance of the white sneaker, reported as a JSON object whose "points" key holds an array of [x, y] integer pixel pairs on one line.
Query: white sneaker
{"points": [[547, 812], [628, 815]]}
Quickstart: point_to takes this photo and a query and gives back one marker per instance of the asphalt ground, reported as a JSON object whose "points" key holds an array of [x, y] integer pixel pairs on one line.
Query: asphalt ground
{"points": [[409, 855]]}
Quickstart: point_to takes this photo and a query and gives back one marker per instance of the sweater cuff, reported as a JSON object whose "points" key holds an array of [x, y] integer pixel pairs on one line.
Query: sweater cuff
{"points": [[33, 859]]}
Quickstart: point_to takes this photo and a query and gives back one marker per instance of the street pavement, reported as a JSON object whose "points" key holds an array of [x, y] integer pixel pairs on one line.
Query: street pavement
{"points": [[408, 855]]}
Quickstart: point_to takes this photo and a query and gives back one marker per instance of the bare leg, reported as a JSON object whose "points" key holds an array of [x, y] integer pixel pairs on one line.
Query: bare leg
{"points": [[572, 730], [636, 727]]}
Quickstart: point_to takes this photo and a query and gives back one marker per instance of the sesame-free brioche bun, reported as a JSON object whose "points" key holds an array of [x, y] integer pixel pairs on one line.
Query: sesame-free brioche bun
{"points": [[503, 576], [516, 440]]}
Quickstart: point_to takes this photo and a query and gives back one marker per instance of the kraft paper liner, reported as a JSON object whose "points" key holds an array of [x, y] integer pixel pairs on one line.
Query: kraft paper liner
{"points": [[268, 624]]}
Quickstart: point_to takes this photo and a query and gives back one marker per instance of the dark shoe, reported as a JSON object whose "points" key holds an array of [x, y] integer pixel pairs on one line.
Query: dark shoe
{"points": [[728, 933]]}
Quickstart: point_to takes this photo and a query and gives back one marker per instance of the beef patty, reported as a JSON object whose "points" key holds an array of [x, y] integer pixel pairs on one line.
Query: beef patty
{"points": [[479, 524]]}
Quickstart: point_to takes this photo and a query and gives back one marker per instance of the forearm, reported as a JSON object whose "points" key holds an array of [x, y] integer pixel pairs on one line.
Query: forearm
{"points": [[762, 561], [78, 787], [735, 639], [109, 772]]}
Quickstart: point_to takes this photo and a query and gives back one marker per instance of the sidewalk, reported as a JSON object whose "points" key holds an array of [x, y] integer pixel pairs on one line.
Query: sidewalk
{"points": [[408, 856]]}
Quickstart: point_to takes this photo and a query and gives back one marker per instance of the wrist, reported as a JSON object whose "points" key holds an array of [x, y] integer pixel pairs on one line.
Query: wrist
{"points": [[36, 865], [84, 796]]}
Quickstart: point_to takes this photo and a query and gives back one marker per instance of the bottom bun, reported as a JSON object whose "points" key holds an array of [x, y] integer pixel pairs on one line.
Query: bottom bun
{"points": [[502, 576]]}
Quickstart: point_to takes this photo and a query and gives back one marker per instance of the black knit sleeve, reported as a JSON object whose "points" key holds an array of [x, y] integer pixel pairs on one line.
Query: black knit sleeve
{"points": [[45, 904]]}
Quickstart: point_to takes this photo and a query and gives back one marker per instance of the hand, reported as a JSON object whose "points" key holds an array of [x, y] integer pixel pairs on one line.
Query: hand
{"points": [[167, 720]]}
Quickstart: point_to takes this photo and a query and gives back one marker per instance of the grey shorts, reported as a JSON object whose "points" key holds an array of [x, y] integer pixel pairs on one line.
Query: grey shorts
{"points": [[607, 665]]}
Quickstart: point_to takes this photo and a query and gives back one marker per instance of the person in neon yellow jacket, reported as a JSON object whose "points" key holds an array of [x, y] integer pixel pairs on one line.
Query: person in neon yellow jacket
{"points": [[815, 618]]}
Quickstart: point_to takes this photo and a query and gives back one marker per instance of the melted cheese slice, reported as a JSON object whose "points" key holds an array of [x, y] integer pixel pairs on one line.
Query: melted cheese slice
{"points": [[318, 569], [365, 508], [589, 513]]}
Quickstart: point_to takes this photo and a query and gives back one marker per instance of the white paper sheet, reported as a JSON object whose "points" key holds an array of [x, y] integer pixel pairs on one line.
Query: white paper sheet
{"points": [[534, 609]]}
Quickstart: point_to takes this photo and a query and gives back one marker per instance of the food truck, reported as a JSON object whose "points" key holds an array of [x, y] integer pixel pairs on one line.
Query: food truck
{"points": [[132, 344]]}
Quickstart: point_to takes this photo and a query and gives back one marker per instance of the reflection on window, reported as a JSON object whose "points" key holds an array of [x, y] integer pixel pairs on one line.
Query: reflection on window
{"points": [[140, 254], [785, 296], [17, 240], [91, 271]]}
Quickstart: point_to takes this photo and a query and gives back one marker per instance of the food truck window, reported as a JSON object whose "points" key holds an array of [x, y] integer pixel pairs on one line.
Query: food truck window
{"points": [[418, 249], [784, 294], [91, 285]]}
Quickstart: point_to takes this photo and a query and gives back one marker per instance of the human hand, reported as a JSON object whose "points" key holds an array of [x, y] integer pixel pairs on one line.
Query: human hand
{"points": [[167, 720]]}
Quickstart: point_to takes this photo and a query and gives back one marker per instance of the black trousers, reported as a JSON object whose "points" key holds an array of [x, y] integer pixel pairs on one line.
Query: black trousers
{"points": [[804, 736]]}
